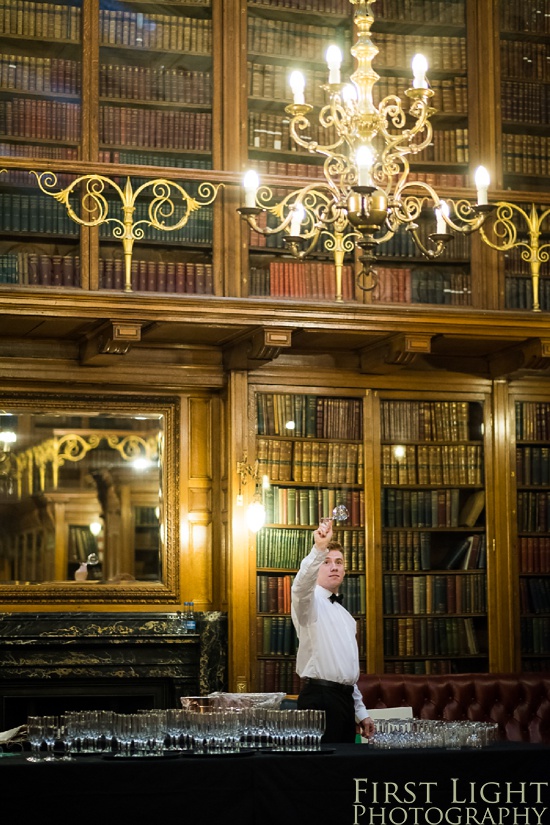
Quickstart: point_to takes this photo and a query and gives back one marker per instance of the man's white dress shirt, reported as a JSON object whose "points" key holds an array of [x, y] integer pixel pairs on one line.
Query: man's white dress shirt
{"points": [[326, 632]]}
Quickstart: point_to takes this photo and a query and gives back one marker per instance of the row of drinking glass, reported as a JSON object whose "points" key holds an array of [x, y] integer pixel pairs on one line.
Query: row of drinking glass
{"points": [[156, 732], [433, 733]]}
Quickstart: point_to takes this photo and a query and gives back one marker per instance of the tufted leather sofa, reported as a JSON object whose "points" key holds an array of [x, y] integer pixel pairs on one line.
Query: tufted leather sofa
{"points": [[518, 702]]}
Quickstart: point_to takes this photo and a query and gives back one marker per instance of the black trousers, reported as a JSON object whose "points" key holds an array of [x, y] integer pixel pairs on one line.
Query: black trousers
{"points": [[337, 702]]}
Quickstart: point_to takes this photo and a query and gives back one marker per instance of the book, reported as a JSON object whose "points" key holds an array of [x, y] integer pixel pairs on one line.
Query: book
{"points": [[456, 556], [472, 509]]}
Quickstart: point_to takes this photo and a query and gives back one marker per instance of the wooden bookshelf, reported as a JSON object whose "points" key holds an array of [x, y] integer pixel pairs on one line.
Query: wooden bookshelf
{"points": [[155, 81], [434, 553], [310, 447], [532, 420], [282, 38], [407, 278], [149, 96], [525, 96]]}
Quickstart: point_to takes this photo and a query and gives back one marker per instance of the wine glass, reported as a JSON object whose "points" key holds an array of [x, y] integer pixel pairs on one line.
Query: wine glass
{"points": [[35, 735], [49, 733], [340, 513]]}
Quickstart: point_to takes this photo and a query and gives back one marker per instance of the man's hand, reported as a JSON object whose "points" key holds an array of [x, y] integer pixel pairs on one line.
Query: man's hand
{"points": [[366, 727], [323, 534]]}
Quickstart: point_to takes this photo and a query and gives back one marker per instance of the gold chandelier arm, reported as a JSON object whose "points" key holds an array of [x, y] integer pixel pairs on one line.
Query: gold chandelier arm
{"points": [[299, 123], [391, 111], [296, 247], [407, 210], [437, 243], [333, 115], [317, 199], [463, 217], [404, 143], [345, 242]]}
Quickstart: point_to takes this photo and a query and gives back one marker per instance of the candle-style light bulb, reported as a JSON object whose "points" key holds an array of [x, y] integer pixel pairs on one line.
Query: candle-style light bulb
{"points": [[298, 215], [440, 211], [349, 94], [364, 158], [251, 182], [334, 61], [297, 84], [419, 68], [482, 181]]}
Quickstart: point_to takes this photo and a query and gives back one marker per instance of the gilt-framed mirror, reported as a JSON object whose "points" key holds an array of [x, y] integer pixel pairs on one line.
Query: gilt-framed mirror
{"points": [[88, 499]]}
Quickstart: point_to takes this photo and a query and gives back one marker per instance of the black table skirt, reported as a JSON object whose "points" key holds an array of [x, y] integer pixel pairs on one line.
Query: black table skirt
{"points": [[353, 785]]}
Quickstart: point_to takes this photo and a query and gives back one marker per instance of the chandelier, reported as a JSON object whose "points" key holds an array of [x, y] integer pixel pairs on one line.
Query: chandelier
{"points": [[365, 195]]}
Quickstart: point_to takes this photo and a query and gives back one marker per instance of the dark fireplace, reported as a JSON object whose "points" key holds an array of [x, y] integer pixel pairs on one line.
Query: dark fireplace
{"points": [[122, 662]]}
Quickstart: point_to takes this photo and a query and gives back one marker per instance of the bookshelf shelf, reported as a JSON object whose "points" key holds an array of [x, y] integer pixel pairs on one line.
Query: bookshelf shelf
{"points": [[272, 11], [30, 139], [195, 60], [150, 5], [39, 95], [49, 43], [161, 104]]}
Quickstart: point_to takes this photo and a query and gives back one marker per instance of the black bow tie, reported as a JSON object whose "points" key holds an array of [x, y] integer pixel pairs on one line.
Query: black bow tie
{"points": [[336, 598]]}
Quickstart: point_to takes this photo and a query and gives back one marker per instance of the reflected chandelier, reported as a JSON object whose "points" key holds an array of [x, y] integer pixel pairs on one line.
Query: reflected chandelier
{"points": [[365, 195]]}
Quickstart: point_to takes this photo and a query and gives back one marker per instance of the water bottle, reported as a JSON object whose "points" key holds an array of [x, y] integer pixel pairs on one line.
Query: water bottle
{"points": [[182, 618], [191, 623]]}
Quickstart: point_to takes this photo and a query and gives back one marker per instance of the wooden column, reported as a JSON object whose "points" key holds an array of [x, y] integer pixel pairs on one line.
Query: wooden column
{"points": [[240, 546]]}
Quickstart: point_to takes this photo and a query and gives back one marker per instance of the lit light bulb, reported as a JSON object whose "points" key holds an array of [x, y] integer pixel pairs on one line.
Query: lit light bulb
{"points": [[364, 158], [251, 182], [482, 181], [298, 215], [419, 68], [255, 516], [399, 452], [95, 528], [297, 84], [334, 61], [8, 437], [440, 211], [141, 464], [349, 94]]}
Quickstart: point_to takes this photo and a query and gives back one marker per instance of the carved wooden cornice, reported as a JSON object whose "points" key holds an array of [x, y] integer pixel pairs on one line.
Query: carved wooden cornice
{"points": [[395, 352], [257, 348], [531, 355], [112, 338]]}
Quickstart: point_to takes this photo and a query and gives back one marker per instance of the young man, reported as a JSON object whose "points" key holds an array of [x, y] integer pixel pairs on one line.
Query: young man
{"points": [[328, 658]]}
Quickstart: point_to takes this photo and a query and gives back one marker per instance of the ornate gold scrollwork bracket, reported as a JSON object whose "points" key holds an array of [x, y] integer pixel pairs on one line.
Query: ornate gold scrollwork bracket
{"points": [[505, 236], [94, 206]]}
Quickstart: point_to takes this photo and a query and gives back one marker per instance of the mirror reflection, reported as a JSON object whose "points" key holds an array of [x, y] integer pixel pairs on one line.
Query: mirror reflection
{"points": [[80, 497]]}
